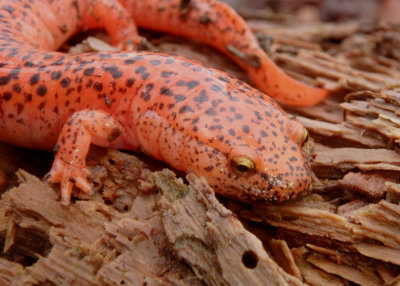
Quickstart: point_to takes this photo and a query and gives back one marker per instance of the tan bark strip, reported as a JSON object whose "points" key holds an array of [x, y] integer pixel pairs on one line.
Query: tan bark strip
{"points": [[349, 273]]}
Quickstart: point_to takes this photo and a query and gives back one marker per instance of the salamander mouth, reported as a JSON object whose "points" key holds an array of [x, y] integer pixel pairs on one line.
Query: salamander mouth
{"points": [[271, 195]]}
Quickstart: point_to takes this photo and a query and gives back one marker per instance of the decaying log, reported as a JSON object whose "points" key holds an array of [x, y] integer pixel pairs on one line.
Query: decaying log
{"points": [[152, 224]]}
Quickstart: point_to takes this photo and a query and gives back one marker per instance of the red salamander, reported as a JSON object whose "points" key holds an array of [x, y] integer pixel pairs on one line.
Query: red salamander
{"points": [[193, 117]]}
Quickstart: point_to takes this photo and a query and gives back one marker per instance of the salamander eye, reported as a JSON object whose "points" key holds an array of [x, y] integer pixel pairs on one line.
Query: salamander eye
{"points": [[305, 137], [242, 165]]}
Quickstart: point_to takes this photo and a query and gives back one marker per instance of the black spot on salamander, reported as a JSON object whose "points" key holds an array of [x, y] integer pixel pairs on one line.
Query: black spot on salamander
{"points": [[19, 107], [69, 91], [17, 88], [181, 83], [58, 62], [231, 132], [7, 96], [41, 105], [179, 97], [186, 64], [65, 82], [145, 75], [8, 8], [246, 128], [215, 127], [56, 75], [211, 112], [138, 58], [114, 71], [168, 73], [209, 168], [48, 56], [28, 97], [155, 62], [98, 86], [238, 116], [140, 70], [89, 83], [202, 97], [41, 90], [14, 73], [263, 134], [191, 84], [104, 56], [88, 71], [146, 93], [166, 91], [5, 80], [129, 61], [185, 108], [223, 78], [264, 176], [258, 115], [12, 54], [215, 87], [130, 81], [29, 64]]}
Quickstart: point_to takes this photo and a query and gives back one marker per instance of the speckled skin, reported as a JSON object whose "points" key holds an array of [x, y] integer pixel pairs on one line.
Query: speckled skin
{"points": [[218, 25], [195, 118]]}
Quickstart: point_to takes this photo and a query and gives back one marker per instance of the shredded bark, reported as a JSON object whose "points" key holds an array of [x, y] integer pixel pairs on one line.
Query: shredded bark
{"points": [[211, 240], [145, 227]]}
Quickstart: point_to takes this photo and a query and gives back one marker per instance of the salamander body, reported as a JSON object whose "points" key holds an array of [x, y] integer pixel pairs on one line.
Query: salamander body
{"points": [[193, 117]]}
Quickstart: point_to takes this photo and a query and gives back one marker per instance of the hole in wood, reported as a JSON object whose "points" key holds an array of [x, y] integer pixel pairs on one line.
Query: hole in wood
{"points": [[250, 259]]}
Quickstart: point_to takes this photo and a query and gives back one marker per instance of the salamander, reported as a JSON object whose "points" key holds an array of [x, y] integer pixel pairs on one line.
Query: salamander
{"points": [[195, 118]]}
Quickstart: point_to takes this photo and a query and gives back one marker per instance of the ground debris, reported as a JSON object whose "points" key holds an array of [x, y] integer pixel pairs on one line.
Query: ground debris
{"points": [[114, 238], [173, 234]]}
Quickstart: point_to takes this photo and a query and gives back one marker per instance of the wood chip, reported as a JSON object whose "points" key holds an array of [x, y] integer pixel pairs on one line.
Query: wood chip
{"points": [[284, 257], [210, 239], [373, 185], [360, 277]]}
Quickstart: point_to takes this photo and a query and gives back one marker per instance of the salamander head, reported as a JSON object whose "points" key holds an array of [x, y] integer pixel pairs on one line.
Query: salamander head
{"points": [[248, 149], [244, 145]]}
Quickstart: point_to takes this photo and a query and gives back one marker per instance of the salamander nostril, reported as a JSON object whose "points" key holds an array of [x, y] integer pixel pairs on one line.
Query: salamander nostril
{"points": [[264, 176]]}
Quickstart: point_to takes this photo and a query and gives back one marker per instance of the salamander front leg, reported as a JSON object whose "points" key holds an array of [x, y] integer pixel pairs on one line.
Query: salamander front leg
{"points": [[82, 128]]}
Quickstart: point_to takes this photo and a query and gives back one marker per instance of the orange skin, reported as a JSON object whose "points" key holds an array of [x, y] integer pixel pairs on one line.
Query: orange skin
{"points": [[191, 116], [218, 25]]}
